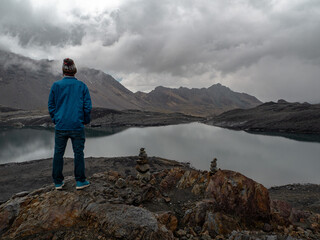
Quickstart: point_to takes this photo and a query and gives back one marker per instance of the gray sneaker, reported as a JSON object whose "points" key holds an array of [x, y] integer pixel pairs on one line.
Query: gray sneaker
{"points": [[59, 186], [82, 185]]}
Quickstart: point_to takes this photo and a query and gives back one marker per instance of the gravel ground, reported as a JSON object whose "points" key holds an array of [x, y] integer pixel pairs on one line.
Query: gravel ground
{"points": [[28, 176]]}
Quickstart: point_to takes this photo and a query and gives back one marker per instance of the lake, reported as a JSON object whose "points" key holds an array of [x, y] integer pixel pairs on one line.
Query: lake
{"points": [[270, 160]]}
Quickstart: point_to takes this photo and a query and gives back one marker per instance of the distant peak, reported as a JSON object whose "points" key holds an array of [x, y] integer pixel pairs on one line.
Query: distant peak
{"points": [[282, 101], [219, 86], [159, 88]]}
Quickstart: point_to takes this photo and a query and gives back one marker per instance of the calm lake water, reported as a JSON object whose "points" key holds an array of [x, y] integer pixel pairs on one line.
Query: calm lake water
{"points": [[270, 160]]}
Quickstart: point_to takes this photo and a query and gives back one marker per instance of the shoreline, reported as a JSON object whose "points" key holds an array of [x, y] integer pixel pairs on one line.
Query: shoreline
{"points": [[100, 118], [248, 120], [280, 117], [115, 128]]}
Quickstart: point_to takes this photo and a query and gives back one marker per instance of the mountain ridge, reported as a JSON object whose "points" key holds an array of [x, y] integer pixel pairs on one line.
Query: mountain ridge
{"points": [[198, 101], [25, 83], [271, 117]]}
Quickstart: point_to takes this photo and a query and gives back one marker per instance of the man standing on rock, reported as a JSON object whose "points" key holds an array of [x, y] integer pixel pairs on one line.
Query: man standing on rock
{"points": [[69, 107]]}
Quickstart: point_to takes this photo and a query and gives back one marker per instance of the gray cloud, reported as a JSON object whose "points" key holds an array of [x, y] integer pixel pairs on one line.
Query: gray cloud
{"points": [[266, 48], [40, 28]]}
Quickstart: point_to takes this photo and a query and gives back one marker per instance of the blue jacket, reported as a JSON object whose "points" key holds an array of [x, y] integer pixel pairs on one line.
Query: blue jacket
{"points": [[69, 104]]}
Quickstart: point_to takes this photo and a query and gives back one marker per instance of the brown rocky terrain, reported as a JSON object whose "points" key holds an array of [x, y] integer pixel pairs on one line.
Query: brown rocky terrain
{"points": [[177, 203], [299, 196], [273, 117], [19, 177]]}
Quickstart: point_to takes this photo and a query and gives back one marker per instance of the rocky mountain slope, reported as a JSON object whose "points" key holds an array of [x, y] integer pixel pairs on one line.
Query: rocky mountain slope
{"points": [[273, 117], [205, 101], [176, 203], [25, 83]]}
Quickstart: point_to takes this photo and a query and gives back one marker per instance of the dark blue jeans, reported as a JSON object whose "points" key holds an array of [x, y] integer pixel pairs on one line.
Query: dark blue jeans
{"points": [[77, 139]]}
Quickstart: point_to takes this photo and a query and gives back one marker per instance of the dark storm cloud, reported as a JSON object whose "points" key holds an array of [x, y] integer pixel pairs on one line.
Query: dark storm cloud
{"points": [[167, 36], [232, 38], [19, 19], [267, 48]]}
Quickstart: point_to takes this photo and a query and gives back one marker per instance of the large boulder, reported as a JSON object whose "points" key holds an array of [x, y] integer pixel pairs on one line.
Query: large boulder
{"points": [[236, 194], [227, 201], [125, 222], [51, 214]]}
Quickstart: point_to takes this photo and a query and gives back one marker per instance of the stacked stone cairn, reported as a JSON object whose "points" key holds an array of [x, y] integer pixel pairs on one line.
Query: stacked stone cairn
{"points": [[213, 166], [143, 167]]}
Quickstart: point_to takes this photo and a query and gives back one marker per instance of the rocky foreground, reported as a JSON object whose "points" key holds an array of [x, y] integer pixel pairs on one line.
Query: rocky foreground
{"points": [[273, 117], [176, 203]]}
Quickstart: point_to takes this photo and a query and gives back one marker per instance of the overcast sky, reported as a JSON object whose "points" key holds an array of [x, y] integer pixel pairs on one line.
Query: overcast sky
{"points": [[267, 48]]}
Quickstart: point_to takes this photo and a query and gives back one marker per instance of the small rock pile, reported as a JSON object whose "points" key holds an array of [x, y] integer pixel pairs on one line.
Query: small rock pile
{"points": [[143, 167], [213, 166]]}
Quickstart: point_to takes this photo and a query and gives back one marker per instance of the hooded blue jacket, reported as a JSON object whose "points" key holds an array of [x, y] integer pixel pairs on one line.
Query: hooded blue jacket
{"points": [[69, 104]]}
